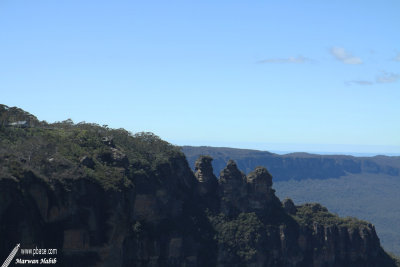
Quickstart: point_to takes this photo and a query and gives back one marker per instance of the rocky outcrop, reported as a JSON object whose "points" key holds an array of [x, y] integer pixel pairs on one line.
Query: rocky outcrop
{"points": [[156, 227], [204, 174], [207, 186], [16, 117], [112, 155], [261, 196], [289, 206], [134, 201], [233, 191]]}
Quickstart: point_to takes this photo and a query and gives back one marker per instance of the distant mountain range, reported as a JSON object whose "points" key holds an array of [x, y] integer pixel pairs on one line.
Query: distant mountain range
{"points": [[365, 187], [355, 154], [106, 197], [296, 166]]}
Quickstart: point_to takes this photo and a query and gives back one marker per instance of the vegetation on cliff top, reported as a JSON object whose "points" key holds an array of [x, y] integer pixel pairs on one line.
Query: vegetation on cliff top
{"points": [[117, 159], [310, 213], [64, 149]]}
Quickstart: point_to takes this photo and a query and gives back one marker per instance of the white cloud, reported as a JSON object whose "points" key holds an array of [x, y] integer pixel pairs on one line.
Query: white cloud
{"points": [[360, 82], [388, 77], [385, 77], [397, 58], [299, 59], [340, 54]]}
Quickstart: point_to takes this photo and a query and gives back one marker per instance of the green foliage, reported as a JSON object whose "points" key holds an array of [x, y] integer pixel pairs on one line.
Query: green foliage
{"points": [[56, 151], [240, 236], [370, 197], [308, 214]]}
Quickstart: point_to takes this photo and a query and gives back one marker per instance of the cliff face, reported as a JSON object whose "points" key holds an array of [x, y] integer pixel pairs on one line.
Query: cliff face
{"points": [[364, 187], [255, 229], [103, 197]]}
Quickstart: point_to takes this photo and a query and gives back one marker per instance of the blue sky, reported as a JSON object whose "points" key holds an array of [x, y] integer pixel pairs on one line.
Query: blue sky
{"points": [[271, 75]]}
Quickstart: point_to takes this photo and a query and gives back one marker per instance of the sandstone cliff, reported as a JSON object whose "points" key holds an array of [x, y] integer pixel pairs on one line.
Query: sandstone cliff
{"points": [[104, 197]]}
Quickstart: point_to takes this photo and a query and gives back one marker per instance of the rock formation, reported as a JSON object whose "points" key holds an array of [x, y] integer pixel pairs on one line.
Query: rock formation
{"points": [[207, 187], [289, 206], [134, 201], [233, 191]]}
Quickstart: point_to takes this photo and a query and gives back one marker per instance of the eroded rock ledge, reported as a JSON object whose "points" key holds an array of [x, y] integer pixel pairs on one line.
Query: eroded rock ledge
{"points": [[245, 224], [133, 201]]}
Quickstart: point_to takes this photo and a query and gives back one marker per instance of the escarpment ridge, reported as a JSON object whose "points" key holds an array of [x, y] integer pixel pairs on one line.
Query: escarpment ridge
{"points": [[106, 197]]}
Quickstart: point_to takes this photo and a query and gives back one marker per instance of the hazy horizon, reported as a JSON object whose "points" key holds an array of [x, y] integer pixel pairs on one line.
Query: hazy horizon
{"points": [[322, 149], [294, 76], [284, 148]]}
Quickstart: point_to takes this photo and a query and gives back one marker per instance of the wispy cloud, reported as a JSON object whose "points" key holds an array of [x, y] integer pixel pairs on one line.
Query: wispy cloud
{"points": [[359, 82], [397, 58], [387, 77], [340, 54], [297, 60]]}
